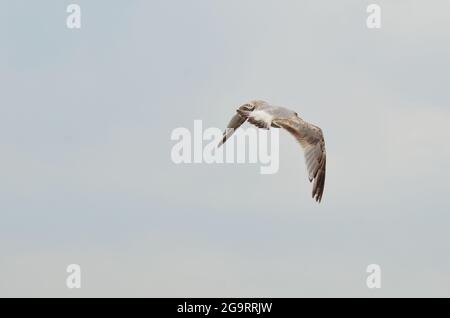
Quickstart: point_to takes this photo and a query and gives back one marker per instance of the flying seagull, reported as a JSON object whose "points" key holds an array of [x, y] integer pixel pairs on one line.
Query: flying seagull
{"points": [[263, 115]]}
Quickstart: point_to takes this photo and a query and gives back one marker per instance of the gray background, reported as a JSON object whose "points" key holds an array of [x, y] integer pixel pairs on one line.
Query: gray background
{"points": [[85, 170]]}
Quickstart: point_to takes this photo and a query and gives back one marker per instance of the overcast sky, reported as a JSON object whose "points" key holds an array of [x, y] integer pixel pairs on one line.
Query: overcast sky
{"points": [[85, 169]]}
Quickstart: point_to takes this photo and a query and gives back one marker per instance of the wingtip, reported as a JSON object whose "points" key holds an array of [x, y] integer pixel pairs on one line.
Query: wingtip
{"points": [[317, 196], [222, 141]]}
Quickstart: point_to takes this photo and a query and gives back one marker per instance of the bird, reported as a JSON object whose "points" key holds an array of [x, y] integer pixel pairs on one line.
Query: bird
{"points": [[310, 137]]}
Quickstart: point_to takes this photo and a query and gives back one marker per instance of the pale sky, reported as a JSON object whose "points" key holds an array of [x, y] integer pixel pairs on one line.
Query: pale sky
{"points": [[85, 169]]}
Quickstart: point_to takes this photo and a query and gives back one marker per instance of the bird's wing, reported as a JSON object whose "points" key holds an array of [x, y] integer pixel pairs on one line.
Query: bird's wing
{"points": [[234, 124], [312, 141]]}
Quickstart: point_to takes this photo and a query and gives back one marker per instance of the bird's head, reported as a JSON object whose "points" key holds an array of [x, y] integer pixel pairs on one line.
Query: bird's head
{"points": [[248, 107], [258, 103]]}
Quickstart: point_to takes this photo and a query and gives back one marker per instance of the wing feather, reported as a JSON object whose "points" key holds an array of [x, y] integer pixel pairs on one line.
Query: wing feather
{"points": [[312, 141], [234, 124]]}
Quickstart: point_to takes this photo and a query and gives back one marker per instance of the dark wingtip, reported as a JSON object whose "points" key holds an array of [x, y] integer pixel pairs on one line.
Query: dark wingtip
{"points": [[221, 143]]}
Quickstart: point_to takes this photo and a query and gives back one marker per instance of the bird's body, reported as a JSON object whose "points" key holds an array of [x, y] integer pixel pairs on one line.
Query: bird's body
{"points": [[263, 115]]}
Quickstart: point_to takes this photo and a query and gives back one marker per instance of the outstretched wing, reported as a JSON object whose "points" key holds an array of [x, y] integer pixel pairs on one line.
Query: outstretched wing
{"points": [[234, 124], [311, 139]]}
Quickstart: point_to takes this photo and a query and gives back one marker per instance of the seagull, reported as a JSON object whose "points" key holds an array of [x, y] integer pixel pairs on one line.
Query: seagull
{"points": [[264, 115]]}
